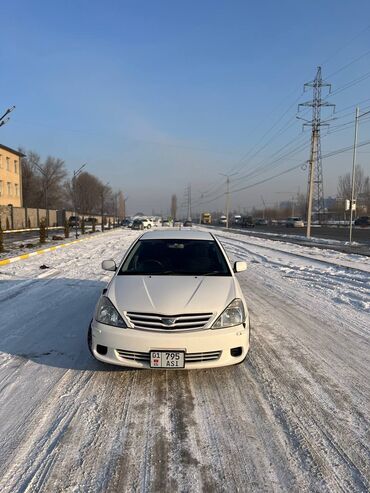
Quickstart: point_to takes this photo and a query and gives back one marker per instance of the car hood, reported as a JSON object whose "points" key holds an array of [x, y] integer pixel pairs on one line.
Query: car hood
{"points": [[171, 295]]}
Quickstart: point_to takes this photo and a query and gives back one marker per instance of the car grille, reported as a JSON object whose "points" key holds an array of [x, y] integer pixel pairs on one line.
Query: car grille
{"points": [[183, 322], [133, 355], [189, 357]]}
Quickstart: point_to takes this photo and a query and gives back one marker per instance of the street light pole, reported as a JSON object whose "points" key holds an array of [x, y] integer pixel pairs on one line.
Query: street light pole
{"points": [[227, 196], [353, 173], [353, 180], [5, 118], [76, 173]]}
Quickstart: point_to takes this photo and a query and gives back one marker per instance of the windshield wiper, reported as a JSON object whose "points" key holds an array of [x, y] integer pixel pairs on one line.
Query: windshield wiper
{"points": [[214, 273]]}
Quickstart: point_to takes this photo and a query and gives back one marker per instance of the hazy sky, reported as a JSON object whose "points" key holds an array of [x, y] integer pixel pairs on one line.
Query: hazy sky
{"points": [[156, 94]]}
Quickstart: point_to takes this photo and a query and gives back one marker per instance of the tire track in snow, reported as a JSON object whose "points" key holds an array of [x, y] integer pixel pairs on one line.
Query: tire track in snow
{"points": [[343, 285], [314, 414], [38, 448]]}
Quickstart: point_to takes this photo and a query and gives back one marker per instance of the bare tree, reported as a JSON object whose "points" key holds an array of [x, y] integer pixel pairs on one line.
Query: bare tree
{"points": [[87, 193], [31, 183], [345, 183], [52, 180], [364, 196], [121, 205], [105, 193]]}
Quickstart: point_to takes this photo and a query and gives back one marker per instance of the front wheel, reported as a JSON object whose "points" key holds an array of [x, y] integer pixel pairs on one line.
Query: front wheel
{"points": [[89, 341]]}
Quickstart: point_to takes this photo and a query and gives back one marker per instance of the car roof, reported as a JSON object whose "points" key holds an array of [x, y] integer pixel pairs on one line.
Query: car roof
{"points": [[178, 234]]}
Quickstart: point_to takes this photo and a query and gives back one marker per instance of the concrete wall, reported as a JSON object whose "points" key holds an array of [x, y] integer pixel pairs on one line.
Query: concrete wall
{"points": [[21, 217]]}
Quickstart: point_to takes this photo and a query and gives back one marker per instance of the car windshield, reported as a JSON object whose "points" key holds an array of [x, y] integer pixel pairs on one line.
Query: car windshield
{"points": [[176, 257]]}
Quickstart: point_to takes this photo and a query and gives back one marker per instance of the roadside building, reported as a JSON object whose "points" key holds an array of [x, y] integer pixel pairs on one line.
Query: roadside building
{"points": [[10, 177]]}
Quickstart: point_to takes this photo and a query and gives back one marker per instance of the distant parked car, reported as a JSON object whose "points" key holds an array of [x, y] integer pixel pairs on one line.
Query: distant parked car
{"points": [[74, 221], [247, 222], [126, 223], [165, 223], [261, 222], [294, 222], [362, 221], [156, 221], [138, 224], [147, 223], [188, 224]]}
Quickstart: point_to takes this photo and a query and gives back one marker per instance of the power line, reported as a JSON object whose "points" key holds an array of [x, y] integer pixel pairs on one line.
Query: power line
{"points": [[281, 173], [348, 64], [349, 84], [338, 50], [330, 154]]}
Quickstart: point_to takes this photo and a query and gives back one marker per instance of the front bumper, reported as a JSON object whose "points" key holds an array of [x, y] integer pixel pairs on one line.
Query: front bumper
{"points": [[198, 345]]}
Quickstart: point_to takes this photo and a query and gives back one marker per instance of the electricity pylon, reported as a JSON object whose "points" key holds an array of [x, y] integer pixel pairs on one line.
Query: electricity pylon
{"points": [[315, 202]]}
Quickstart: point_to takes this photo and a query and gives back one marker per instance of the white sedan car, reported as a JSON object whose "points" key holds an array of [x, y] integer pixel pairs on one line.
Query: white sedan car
{"points": [[173, 302]]}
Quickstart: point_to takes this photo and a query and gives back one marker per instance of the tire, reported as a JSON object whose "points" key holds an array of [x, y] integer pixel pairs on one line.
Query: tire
{"points": [[249, 340], [89, 341]]}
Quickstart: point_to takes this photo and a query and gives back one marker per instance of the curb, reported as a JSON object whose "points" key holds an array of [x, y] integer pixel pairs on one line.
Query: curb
{"points": [[39, 252]]}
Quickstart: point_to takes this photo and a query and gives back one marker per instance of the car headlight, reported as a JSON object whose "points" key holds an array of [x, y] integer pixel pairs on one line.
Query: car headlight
{"points": [[107, 314], [232, 315]]}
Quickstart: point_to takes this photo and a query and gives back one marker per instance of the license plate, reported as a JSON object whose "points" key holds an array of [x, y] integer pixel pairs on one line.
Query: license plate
{"points": [[167, 359]]}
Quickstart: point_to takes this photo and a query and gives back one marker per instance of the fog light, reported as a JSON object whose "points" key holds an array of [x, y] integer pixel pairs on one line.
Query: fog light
{"points": [[101, 349], [236, 351]]}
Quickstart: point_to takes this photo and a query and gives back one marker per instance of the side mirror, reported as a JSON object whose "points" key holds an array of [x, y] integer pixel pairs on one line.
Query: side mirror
{"points": [[109, 265], [240, 266]]}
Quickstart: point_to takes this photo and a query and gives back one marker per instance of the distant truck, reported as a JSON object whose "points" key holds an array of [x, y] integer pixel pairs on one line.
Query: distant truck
{"points": [[206, 218], [237, 219]]}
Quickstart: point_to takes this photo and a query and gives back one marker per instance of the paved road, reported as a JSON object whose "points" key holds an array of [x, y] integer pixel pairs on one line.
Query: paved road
{"points": [[361, 237], [293, 417]]}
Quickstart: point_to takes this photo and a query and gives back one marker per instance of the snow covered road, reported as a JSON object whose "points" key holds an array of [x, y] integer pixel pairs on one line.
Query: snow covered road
{"points": [[294, 417]]}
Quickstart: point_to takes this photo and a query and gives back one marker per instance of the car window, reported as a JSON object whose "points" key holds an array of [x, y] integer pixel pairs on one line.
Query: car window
{"points": [[176, 257]]}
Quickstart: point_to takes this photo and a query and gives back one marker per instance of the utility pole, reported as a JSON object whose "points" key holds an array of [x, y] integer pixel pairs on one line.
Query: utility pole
{"points": [[227, 196], [264, 208], [353, 173], [189, 203], [353, 180], [76, 173], [315, 203]]}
